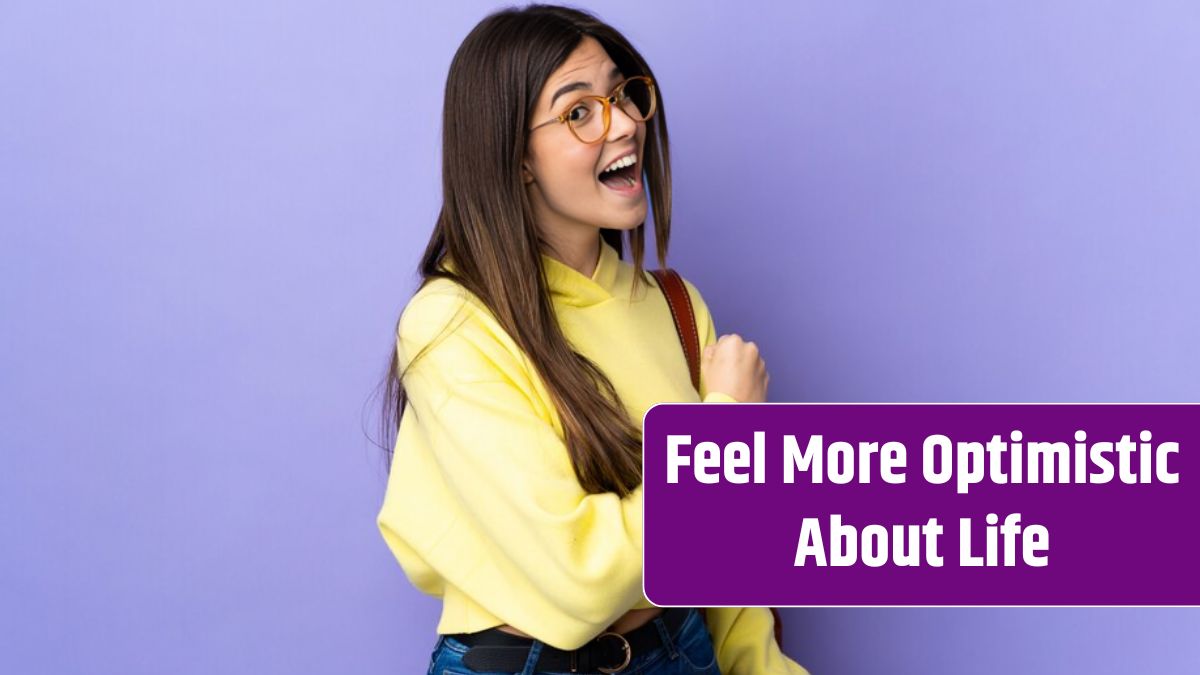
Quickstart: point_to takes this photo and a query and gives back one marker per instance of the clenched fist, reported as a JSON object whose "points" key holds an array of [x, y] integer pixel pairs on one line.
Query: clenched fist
{"points": [[733, 366]]}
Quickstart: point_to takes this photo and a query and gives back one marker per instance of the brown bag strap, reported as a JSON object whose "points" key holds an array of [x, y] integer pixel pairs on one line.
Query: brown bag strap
{"points": [[685, 325], [685, 318]]}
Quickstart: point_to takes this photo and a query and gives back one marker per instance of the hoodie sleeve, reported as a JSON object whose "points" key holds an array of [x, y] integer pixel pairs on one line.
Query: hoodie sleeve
{"points": [[483, 496], [744, 641]]}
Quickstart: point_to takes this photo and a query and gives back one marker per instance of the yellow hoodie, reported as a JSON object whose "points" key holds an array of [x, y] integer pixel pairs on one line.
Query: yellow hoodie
{"points": [[483, 508]]}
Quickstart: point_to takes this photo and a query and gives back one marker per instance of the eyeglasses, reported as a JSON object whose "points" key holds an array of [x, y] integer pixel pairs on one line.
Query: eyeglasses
{"points": [[590, 117]]}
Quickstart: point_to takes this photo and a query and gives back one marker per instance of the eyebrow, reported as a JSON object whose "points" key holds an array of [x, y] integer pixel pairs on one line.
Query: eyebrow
{"points": [[574, 86]]}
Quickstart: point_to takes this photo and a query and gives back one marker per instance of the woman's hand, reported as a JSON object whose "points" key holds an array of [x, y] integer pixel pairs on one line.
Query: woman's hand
{"points": [[732, 366]]}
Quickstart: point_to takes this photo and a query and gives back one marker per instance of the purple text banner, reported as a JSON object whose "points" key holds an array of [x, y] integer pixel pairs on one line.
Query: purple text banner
{"points": [[922, 504]]}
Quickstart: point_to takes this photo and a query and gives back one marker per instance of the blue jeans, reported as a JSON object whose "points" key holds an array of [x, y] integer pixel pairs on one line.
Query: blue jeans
{"points": [[688, 652]]}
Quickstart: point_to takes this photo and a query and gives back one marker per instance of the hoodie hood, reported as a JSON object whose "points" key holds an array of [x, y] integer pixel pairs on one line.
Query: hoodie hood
{"points": [[570, 287]]}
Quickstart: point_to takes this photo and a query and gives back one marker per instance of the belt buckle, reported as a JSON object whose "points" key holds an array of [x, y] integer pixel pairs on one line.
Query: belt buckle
{"points": [[624, 645]]}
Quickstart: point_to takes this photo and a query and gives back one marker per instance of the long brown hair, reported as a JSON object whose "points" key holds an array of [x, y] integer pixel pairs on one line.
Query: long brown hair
{"points": [[486, 224]]}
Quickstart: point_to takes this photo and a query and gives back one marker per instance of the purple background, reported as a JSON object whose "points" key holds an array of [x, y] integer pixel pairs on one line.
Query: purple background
{"points": [[1109, 544], [211, 213]]}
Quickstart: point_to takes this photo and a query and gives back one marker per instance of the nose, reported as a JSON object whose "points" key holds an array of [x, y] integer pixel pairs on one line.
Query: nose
{"points": [[621, 125]]}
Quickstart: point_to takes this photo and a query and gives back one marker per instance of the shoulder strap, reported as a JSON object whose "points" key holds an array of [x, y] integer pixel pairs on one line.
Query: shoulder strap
{"points": [[685, 318]]}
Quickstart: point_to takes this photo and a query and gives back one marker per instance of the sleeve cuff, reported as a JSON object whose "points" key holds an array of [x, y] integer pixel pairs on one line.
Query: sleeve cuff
{"points": [[719, 397]]}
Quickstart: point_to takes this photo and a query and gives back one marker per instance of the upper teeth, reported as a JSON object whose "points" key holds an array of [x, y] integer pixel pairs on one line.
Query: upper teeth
{"points": [[621, 163]]}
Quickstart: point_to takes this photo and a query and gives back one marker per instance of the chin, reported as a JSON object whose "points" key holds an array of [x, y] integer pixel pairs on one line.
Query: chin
{"points": [[625, 225], [629, 219]]}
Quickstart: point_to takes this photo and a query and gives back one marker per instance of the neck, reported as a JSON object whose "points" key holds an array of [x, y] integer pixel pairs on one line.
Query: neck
{"points": [[580, 250]]}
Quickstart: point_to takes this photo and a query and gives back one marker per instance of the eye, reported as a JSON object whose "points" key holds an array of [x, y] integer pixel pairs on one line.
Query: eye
{"points": [[579, 113]]}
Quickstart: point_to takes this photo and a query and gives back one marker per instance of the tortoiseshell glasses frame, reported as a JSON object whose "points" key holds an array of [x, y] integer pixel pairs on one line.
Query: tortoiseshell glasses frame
{"points": [[585, 107]]}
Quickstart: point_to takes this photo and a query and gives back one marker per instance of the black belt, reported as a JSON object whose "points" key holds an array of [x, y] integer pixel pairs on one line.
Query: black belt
{"points": [[495, 650]]}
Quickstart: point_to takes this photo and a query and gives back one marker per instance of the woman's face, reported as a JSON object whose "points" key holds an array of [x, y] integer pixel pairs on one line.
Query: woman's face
{"points": [[562, 174]]}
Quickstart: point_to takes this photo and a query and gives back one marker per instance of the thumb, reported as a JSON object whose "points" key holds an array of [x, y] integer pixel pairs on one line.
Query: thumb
{"points": [[709, 351]]}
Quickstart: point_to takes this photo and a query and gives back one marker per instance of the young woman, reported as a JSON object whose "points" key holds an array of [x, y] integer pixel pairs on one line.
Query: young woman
{"points": [[527, 358]]}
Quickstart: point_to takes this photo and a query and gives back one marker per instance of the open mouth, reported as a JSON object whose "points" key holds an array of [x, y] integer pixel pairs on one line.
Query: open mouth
{"points": [[623, 178]]}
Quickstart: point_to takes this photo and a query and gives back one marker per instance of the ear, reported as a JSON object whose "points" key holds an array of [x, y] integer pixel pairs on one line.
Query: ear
{"points": [[526, 174]]}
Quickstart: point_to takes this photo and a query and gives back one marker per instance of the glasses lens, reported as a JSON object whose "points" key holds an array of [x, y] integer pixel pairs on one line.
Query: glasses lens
{"points": [[587, 119], [638, 99]]}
